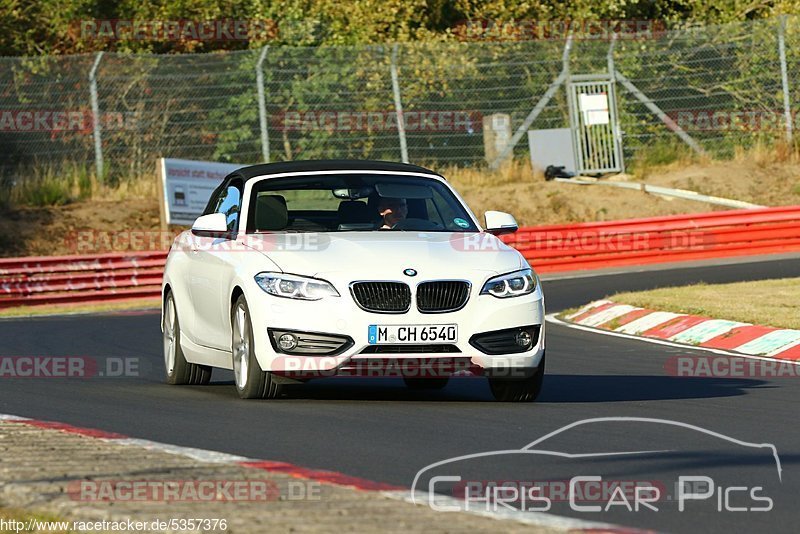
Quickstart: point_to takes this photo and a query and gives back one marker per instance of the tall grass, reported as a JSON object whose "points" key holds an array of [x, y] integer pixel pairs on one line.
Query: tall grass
{"points": [[668, 154], [72, 182], [513, 172], [763, 153], [54, 186], [663, 154], [48, 186]]}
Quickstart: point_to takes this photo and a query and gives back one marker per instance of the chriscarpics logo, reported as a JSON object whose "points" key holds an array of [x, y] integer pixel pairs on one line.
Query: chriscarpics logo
{"points": [[610, 469]]}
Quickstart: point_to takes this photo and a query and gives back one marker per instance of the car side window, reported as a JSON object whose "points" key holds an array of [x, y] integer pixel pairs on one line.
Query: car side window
{"points": [[211, 205], [229, 203]]}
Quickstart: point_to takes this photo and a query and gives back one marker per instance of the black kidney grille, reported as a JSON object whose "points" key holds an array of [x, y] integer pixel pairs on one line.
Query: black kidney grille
{"points": [[442, 296], [385, 297]]}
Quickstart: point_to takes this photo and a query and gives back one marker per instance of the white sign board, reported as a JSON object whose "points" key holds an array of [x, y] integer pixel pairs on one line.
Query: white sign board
{"points": [[187, 185], [594, 108]]}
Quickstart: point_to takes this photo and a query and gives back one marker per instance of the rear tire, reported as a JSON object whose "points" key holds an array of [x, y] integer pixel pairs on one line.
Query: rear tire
{"points": [[178, 370], [525, 390], [426, 383], [251, 381]]}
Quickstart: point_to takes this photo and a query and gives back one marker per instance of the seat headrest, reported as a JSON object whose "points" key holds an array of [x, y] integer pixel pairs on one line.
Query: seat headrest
{"points": [[354, 211], [271, 213]]}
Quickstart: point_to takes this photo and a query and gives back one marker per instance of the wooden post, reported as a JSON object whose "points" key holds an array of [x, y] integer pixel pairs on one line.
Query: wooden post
{"points": [[162, 208]]}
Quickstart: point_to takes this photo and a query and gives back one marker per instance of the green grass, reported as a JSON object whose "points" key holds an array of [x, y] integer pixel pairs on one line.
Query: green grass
{"points": [[764, 302]]}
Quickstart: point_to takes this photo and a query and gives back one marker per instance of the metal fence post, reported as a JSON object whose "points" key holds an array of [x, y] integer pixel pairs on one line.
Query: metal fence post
{"points": [[398, 107], [262, 105], [613, 96], [787, 109], [98, 141], [537, 109]]}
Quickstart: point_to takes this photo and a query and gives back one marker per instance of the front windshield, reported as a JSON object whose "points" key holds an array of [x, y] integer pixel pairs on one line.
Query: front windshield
{"points": [[355, 203]]}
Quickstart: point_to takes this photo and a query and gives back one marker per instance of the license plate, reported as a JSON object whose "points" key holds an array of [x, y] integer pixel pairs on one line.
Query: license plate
{"points": [[412, 333]]}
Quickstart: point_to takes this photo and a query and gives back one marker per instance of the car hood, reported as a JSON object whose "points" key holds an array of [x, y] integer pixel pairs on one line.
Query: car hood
{"points": [[385, 255]]}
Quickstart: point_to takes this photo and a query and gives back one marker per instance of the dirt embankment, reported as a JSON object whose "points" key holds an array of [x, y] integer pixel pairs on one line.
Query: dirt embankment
{"points": [[757, 181], [537, 202], [68, 229]]}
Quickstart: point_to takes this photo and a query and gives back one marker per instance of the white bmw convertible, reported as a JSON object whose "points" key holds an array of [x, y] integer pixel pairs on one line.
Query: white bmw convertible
{"points": [[315, 269]]}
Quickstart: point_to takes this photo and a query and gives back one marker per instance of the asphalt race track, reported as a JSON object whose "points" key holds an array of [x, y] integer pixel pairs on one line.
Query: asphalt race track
{"points": [[381, 431]]}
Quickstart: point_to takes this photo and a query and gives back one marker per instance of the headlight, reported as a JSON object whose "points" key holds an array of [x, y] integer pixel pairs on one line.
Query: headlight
{"points": [[291, 286], [511, 284]]}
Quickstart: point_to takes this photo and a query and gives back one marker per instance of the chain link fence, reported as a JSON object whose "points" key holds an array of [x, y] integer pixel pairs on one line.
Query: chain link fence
{"points": [[710, 89]]}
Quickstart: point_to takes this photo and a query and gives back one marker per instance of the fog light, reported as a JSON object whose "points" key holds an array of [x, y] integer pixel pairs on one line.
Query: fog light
{"points": [[308, 343], [287, 341], [507, 341], [523, 339]]}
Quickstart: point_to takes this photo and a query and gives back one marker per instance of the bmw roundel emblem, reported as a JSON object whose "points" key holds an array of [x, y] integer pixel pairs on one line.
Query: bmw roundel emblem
{"points": [[410, 272]]}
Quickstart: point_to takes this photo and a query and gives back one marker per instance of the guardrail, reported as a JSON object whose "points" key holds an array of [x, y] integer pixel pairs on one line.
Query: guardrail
{"points": [[555, 248], [718, 234], [72, 279]]}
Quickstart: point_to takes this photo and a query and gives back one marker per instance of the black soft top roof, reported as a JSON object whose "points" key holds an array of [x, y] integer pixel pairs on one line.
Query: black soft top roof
{"points": [[264, 169]]}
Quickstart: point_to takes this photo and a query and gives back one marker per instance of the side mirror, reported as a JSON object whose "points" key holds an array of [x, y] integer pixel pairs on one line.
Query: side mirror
{"points": [[498, 222], [212, 225]]}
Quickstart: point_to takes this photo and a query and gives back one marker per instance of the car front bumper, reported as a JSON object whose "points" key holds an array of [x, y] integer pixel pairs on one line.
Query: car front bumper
{"points": [[341, 316]]}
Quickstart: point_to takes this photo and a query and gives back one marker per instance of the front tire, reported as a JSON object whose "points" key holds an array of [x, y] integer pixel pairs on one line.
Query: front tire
{"points": [[178, 370], [251, 381], [525, 390]]}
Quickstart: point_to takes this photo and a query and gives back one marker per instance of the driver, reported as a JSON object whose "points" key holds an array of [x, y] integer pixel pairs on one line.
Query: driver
{"points": [[392, 210]]}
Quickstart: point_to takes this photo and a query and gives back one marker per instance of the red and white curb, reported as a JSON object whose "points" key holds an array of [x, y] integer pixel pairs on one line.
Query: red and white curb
{"points": [[334, 478], [716, 335]]}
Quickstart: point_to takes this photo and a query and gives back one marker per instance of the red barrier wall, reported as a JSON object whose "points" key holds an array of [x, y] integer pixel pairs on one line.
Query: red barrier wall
{"points": [[554, 248]]}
